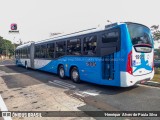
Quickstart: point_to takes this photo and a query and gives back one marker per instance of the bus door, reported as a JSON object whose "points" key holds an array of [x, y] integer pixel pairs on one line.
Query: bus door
{"points": [[110, 44], [108, 67]]}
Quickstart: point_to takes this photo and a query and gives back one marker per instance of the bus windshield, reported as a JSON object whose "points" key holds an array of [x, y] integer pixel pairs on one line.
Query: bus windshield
{"points": [[139, 34]]}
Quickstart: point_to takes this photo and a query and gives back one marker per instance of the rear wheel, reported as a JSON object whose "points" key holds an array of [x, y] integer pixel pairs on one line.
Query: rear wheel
{"points": [[61, 72], [75, 75]]}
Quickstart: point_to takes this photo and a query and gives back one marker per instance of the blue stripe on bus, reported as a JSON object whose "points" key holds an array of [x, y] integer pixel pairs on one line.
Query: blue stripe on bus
{"points": [[86, 73]]}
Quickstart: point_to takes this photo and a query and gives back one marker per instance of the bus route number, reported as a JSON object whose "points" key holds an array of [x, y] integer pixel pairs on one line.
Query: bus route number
{"points": [[91, 63], [139, 56]]}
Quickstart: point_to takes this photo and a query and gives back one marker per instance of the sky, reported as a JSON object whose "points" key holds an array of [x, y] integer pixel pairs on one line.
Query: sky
{"points": [[36, 19]]}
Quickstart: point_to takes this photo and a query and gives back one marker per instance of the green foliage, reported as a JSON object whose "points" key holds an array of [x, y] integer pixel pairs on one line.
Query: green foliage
{"points": [[157, 70], [157, 52], [155, 32], [6, 47]]}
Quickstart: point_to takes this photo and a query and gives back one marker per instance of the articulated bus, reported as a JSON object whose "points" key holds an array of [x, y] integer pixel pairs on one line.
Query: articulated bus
{"points": [[120, 54]]}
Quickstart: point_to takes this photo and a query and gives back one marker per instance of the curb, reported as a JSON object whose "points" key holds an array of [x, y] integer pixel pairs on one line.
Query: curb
{"points": [[151, 83]]}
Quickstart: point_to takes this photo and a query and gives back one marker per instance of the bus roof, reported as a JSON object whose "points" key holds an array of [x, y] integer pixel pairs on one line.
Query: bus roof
{"points": [[24, 45], [83, 32]]}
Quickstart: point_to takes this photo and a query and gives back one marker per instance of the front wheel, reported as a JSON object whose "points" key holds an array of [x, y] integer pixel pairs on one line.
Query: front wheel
{"points": [[26, 66], [61, 72], [75, 75]]}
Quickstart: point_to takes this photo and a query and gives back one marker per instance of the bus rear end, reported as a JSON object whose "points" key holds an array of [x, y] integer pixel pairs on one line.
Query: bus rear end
{"points": [[140, 65]]}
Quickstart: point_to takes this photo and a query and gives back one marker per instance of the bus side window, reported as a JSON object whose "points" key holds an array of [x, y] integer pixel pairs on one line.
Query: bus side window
{"points": [[43, 51], [89, 45], [18, 53], [28, 52], [110, 42], [60, 48], [21, 53], [50, 50], [110, 37], [74, 47], [38, 51]]}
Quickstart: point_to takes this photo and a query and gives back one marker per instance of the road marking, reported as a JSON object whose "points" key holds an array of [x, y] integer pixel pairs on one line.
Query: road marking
{"points": [[4, 108], [58, 84], [80, 94], [8, 65], [87, 93], [92, 92], [64, 83], [76, 92]]}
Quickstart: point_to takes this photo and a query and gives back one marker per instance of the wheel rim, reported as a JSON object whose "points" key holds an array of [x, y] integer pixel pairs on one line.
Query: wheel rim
{"points": [[61, 72], [75, 75]]}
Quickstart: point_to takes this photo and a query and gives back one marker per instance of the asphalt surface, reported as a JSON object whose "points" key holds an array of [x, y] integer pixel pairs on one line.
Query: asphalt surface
{"points": [[26, 89]]}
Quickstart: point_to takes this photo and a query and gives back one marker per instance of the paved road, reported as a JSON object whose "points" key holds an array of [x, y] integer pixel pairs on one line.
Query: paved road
{"points": [[33, 90]]}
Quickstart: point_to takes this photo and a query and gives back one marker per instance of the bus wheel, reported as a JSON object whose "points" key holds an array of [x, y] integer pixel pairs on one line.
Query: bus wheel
{"points": [[26, 65], [61, 72], [75, 75]]}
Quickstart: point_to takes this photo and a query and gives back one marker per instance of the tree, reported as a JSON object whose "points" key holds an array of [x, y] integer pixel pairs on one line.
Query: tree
{"points": [[156, 32], [6, 47]]}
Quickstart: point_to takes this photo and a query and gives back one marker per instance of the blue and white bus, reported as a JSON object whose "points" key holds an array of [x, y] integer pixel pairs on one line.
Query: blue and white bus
{"points": [[120, 54]]}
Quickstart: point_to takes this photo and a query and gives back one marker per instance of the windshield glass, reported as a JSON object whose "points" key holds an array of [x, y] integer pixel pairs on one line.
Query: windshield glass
{"points": [[139, 34]]}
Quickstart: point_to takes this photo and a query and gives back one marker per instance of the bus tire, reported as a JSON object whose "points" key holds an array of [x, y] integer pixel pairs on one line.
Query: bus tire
{"points": [[61, 72], [26, 66], [75, 77]]}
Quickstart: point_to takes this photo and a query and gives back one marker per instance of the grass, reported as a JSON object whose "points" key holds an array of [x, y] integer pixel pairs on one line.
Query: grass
{"points": [[156, 77]]}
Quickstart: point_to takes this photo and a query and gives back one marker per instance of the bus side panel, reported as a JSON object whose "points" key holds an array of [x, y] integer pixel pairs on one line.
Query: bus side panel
{"points": [[21, 62], [44, 65], [126, 47], [90, 68]]}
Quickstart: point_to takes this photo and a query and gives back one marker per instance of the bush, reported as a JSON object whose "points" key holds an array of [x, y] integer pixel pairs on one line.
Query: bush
{"points": [[157, 71]]}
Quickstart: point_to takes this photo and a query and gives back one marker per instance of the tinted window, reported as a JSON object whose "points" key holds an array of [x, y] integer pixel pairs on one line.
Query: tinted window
{"points": [[28, 52], [74, 47], [60, 48], [23, 53], [89, 45], [37, 51], [50, 50], [110, 37], [18, 54], [43, 51], [139, 34]]}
